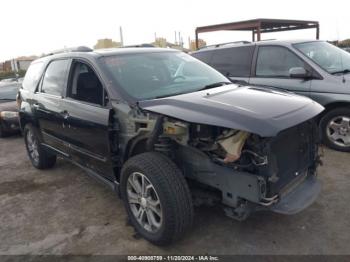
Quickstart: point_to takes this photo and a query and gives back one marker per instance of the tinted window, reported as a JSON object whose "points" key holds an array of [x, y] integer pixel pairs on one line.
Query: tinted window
{"points": [[233, 61], [32, 76], [203, 56], [276, 61], [55, 77], [85, 85]]}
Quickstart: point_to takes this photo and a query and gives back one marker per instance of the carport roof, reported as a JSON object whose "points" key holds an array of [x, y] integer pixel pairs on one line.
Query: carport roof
{"points": [[261, 25]]}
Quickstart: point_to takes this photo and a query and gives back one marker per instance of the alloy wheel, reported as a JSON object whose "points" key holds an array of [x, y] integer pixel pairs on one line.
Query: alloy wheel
{"points": [[32, 145], [338, 131], [144, 202]]}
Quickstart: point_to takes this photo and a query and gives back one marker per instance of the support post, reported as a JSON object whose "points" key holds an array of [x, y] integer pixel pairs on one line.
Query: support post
{"points": [[258, 31], [196, 39]]}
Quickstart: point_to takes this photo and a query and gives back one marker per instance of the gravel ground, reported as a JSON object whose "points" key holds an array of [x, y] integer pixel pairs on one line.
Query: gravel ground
{"points": [[63, 211]]}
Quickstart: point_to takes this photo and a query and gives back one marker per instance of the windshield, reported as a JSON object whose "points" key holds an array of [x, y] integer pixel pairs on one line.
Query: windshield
{"points": [[160, 74], [329, 57]]}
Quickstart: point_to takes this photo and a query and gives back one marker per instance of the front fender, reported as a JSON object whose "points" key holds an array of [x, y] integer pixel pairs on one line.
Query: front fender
{"points": [[326, 99]]}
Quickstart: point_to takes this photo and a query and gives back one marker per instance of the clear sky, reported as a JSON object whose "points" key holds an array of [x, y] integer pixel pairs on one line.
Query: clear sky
{"points": [[33, 27]]}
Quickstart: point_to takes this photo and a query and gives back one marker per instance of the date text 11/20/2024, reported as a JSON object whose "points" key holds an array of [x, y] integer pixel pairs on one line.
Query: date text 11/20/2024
{"points": [[174, 258]]}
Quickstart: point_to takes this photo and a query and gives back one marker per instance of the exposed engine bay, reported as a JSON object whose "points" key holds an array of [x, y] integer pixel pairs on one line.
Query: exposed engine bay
{"points": [[234, 148], [245, 167]]}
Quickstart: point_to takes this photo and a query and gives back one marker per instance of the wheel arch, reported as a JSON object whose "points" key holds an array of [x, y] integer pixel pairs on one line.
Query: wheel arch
{"points": [[331, 106], [26, 116], [135, 146]]}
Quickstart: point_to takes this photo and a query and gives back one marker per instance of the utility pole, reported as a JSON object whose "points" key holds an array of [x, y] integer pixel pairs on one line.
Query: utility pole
{"points": [[121, 36]]}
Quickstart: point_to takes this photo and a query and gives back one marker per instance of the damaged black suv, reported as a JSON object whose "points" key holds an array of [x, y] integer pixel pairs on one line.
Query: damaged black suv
{"points": [[167, 131]]}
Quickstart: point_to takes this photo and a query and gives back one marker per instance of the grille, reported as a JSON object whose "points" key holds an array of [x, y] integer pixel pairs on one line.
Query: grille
{"points": [[292, 153]]}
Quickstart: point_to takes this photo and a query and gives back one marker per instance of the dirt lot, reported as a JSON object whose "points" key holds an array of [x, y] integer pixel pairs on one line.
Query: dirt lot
{"points": [[63, 211]]}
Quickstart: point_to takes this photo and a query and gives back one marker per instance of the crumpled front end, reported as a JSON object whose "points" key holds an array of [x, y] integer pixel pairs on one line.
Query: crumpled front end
{"points": [[244, 171]]}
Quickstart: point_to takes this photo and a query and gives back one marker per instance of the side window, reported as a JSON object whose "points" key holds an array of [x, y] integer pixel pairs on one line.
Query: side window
{"points": [[275, 61], [54, 80], [85, 85], [203, 56], [234, 61], [32, 76]]}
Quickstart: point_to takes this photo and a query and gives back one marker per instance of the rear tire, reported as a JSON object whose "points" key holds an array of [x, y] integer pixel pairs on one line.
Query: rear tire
{"points": [[165, 185], [335, 129], [40, 158]]}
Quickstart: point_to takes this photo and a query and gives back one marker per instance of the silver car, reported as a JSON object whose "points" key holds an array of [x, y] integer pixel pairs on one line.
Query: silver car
{"points": [[315, 69]]}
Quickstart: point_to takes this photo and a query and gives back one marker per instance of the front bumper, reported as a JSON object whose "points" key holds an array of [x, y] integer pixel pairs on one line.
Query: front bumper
{"points": [[299, 198]]}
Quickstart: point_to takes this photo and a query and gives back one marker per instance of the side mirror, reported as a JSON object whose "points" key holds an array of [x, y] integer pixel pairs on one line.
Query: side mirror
{"points": [[298, 72]]}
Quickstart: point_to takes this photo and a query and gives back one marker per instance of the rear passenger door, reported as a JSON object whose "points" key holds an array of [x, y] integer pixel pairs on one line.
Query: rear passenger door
{"points": [[87, 119], [272, 66], [47, 100]]}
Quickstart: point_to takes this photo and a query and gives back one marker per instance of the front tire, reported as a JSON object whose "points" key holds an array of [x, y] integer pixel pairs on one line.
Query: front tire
{"points": [[40, 158], [335, 129], [156, 197]]}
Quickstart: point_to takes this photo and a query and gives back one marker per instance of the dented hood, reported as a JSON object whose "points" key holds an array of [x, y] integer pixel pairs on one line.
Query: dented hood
{"points": [[257, 110]]}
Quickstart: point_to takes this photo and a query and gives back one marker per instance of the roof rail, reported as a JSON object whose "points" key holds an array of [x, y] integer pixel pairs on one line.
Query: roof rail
{"points": [[271, 39], [69, 49], [140, 45], [223, 44]]}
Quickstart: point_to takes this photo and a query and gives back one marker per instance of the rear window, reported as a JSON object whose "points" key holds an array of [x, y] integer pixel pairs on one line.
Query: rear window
{"points": [[32, 76], [233, 61]]}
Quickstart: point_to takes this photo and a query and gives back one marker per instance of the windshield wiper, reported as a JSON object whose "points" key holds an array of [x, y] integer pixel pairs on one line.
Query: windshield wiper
{"points": [[217, 84], [344, 71]]}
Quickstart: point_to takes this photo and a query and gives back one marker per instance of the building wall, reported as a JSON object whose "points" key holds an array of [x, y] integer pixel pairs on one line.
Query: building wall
{"points": [[106, 43], [23, 64], [7, 66]]}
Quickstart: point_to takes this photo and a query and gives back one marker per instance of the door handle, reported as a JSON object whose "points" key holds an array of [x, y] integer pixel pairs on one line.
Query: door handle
{"points": [[36, 105]]}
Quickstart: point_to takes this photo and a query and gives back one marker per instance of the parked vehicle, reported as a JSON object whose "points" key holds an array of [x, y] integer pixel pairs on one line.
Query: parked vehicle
{"points": [[8, 110], [9, 81], [315, 69], [161, 138]]}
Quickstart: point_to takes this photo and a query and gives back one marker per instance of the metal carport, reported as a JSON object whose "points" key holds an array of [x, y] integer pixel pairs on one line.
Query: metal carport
{"points": [[259, 26]]}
